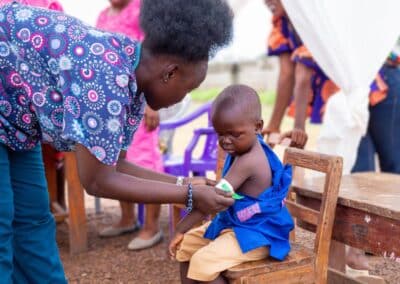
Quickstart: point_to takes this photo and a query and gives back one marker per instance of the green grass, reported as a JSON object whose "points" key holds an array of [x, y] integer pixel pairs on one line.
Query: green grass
{"points": [[266, 97]]}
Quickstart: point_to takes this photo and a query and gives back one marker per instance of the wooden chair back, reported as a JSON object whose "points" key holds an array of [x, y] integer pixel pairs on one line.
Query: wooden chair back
{"points": [[324, 219]]}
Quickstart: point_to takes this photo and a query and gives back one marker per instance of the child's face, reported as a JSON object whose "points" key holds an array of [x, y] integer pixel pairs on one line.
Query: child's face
{"points": [[236, 134]]}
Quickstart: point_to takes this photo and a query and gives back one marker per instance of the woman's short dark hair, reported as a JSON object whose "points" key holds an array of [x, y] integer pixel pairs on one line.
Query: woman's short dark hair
{"points": [[191, 29]]}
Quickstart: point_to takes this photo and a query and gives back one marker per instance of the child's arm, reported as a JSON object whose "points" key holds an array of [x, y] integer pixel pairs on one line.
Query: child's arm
{"points": [[183, 226], [193, 218], [239, 172]]}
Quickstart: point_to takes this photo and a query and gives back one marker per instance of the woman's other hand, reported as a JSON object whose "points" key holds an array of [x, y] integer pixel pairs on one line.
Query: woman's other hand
{"points": [[211, 200], [199, 181], [151, 119]]}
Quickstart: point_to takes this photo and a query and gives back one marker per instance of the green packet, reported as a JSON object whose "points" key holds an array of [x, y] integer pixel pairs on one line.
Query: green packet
{"points": [[224, 185]]}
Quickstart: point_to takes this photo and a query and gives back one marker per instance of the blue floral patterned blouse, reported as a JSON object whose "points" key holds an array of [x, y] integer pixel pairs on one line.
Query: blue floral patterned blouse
{"points": [[63, 82]]}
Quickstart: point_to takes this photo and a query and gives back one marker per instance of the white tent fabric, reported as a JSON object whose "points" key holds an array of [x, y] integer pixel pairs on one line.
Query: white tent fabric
{"points": [[350, 40]]}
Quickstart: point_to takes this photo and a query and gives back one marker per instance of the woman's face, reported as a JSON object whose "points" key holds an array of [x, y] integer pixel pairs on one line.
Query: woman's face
{"points": [[174, 82]]}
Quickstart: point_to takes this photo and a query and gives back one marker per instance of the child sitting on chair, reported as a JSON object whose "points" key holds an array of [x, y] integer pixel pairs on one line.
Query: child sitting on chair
{"points": [[258, 223]]}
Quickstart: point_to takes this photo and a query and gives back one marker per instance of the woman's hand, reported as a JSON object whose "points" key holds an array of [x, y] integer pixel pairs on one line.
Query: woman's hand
{"points": [[151, 119], [211, 200], [199, 181], [298, 138]]}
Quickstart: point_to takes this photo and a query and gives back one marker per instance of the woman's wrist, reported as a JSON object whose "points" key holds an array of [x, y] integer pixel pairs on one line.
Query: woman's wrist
{"points": [[180, 180], [189, 203]]}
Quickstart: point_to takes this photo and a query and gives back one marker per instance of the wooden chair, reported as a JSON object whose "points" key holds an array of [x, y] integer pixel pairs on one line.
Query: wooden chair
{"points": [[302, 265]]}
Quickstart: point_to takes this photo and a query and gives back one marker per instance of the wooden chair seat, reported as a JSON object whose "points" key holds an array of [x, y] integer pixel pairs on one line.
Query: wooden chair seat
{"points": [[300, 259]]}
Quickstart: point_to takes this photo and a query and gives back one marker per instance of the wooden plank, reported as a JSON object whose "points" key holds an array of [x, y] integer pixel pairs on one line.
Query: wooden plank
{"points": [[357, 228], [309, 160], [298, 256], [376, 193], [77, 215], [302, 212], [326, 218], [299, 275]]}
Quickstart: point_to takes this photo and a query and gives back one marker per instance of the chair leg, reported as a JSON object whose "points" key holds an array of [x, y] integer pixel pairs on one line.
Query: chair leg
{"points": [[141, 212], [97, 205]]}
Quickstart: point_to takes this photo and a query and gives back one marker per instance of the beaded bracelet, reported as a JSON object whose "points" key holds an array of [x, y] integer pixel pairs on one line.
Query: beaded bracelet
{"points": [[189, 206]]}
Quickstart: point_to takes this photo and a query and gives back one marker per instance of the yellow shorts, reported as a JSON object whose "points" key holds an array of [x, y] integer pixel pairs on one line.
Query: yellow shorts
{"points": [[207, 258]]}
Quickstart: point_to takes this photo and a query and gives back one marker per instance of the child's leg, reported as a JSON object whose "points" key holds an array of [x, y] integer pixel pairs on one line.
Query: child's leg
{"points": [[36, 257], [224, 252], [192, 241], [183, 268]]}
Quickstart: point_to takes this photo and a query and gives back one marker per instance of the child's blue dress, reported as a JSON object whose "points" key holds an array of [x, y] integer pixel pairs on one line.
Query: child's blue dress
{"points": [[262, 221]]}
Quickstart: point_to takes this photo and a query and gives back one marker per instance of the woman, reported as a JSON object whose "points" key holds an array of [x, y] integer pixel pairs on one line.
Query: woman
{"points": [[75, 87], [123, 16]]}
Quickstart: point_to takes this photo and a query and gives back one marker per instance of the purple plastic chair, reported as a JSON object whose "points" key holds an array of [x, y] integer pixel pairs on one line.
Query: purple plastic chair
{"points": [[188, 165]]}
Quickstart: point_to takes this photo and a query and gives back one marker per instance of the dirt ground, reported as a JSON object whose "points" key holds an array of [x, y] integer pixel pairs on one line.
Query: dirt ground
{"points": [[109, 260]]}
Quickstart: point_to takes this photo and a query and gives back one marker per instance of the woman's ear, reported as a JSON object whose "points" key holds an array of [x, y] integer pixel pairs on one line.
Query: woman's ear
{"points": [[169, 72]]}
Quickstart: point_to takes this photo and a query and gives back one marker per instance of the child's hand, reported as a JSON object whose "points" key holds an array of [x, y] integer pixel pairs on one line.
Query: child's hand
{"points": [[173, 245]]}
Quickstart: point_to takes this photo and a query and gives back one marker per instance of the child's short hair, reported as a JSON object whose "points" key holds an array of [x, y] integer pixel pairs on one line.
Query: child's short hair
{"points": [[240, 98], [191, 29]]}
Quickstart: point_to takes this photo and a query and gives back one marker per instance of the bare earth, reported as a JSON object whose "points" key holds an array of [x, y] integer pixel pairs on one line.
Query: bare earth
{"points": [[109, 260]]}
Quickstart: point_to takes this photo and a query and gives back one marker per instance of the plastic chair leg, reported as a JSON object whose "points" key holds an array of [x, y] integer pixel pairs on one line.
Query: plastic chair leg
{"points": [[141, 213], [97, 205]]}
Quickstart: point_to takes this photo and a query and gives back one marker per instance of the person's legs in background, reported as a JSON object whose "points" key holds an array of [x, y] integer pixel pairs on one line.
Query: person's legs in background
{"points": [[385, 123], [36, 256], [151, 225], [144, 151], [126, 224]]}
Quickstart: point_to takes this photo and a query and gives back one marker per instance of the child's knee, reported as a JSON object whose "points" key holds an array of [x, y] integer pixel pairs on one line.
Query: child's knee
{"points": [[202, 268]]}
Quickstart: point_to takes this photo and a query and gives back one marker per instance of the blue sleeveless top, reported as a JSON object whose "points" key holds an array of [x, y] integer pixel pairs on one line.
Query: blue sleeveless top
{"points": [[261, 221]]}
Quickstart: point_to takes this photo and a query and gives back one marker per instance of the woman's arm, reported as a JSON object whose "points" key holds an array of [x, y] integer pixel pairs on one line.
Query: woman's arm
{"points": [[284, 93], [106, 181], [126, 167], [302, 91]]}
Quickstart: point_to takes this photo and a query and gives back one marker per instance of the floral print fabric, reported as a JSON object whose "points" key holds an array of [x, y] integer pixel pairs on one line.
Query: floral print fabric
{"points": [[62, 82]]}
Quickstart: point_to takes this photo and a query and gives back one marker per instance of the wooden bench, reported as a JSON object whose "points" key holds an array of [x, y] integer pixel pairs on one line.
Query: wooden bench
{"points": [[302, 265]]}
